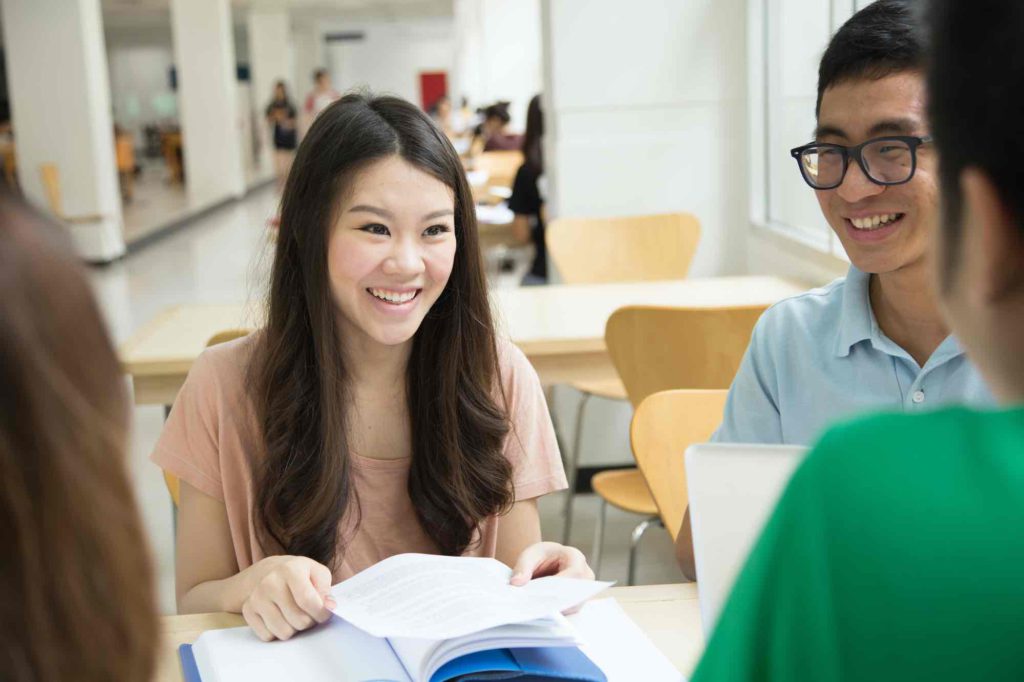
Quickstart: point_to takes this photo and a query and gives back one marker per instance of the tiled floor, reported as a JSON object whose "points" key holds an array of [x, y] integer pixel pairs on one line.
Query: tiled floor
{"points": [[223, 258]]}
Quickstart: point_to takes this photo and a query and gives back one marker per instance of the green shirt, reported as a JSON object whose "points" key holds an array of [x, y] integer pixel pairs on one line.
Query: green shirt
{"points": [[896, 553]]}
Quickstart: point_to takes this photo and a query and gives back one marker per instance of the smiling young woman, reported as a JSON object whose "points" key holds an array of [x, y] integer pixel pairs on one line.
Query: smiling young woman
{"points": [[375, 412]]}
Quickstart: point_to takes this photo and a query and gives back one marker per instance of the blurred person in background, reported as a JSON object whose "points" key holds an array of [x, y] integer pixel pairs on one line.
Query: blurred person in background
{"points": [[320, 97], [491, 135], [527, 200], [75, 574], [282, 116]]}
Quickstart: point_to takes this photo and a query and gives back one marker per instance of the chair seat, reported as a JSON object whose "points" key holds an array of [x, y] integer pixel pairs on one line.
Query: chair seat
{"points": [[609, 388], [625, 489]]}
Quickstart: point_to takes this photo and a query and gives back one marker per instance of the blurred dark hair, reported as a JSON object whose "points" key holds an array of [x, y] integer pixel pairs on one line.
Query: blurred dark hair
{"points": [[533, 151], [75, 576], [878, 41], [498, 111], [976, 96], [318, 74], [459, 475]]}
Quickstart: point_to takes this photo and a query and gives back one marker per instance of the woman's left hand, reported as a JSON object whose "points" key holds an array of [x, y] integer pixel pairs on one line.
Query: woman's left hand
{"points": [[550, 558]]}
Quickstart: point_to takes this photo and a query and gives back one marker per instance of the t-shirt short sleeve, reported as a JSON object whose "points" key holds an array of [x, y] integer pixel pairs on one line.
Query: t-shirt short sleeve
{"points": [[525, 198], [190, 445], [530, 445]]}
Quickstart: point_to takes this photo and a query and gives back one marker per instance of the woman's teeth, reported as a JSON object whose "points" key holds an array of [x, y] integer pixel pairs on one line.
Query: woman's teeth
{"points": [[394, 296], [874, 222]]}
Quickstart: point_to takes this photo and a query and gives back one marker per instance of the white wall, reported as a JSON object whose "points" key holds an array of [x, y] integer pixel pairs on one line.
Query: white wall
{"points": [[391, 56], [498, 50]]}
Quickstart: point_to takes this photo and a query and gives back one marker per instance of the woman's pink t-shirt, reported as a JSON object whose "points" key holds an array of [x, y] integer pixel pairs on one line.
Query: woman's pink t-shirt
{"points": [[212, 436]]}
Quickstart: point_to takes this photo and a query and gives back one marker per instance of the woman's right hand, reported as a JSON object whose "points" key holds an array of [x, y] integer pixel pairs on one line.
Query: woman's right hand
{"points": [[291, 594]]}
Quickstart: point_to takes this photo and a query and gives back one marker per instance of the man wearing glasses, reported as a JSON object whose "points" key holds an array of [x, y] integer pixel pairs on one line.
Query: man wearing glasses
{"points": [[875, 339]]}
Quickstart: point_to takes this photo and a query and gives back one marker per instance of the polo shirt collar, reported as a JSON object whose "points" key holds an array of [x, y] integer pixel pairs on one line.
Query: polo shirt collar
{"points": [[856, 319]]}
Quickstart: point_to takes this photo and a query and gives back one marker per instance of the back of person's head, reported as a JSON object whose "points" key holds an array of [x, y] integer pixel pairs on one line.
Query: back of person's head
{"points": [[299, 375], [76, 589], [976, 95], [880, 40], [498, 112]]}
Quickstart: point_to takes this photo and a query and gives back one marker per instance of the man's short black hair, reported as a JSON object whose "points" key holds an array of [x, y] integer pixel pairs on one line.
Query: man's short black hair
{"points": [[976, 100], [880, 40]]}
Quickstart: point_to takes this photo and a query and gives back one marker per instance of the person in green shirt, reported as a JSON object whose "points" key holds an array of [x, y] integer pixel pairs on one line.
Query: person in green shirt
{"points": [[896, 551]]}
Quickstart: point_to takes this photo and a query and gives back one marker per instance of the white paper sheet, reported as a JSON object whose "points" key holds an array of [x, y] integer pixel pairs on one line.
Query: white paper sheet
{"points": [[436, 597], [333, 652], [619, 647]]}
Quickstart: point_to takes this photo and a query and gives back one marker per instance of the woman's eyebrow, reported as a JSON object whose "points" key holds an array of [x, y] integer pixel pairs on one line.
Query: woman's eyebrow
{"points": [[363, 208], [439, 214]]}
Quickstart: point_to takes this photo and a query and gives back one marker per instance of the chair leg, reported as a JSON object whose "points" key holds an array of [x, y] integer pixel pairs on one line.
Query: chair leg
{"points": [[573, 469], [634, 543], [595, 561]]}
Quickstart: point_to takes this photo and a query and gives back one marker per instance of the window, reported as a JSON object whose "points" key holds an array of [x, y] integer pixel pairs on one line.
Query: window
{"points": [[786, 40]]}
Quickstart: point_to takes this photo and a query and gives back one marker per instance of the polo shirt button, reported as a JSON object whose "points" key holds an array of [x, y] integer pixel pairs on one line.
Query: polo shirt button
{"points": [[918, 397]]}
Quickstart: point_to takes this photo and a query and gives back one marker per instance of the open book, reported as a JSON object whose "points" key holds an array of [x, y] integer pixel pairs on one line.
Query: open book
{"points": [[417, 618]]}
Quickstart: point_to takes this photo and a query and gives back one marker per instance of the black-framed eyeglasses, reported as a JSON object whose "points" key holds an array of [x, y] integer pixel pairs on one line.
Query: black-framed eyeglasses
{"points": [[889, 160]]}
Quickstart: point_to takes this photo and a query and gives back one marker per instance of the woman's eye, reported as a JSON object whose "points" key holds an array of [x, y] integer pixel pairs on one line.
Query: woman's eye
{"points": [[436, 230], [377, 229]]}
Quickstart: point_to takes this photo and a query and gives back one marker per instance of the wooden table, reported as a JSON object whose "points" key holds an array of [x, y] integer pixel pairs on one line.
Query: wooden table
{"points": [[560, 328], [669, 614]]}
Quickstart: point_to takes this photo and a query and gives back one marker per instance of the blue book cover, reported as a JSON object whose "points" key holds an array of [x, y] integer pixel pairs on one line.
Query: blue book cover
{"points": [[541, 664]]}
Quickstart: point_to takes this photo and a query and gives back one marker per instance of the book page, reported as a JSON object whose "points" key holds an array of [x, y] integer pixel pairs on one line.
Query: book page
{"points": [[436, 597], [332, 652]]}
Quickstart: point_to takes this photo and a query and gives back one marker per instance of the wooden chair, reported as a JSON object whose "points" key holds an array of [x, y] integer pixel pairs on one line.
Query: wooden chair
{"points": [[658, 349], [603, 250], [50, 175], [664, 425], [173, 485], [629, 249]]}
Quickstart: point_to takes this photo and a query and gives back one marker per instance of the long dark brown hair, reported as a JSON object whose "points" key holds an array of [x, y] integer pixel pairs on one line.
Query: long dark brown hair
{"points": [[76, 588], [533, 149], [459, 475]]}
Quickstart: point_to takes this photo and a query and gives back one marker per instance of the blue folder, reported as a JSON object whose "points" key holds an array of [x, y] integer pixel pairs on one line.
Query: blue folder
{"points": [[542, 664]]}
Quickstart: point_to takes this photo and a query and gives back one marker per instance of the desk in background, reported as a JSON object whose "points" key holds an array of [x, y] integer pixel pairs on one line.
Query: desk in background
{"points": [[668, 614], [560, 328]]}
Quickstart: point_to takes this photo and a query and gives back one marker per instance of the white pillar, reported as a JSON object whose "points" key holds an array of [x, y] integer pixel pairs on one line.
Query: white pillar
{"points": [[646, 112], [60, 106], [309, 55], [269, 61], [497, 54], [204, 51]]}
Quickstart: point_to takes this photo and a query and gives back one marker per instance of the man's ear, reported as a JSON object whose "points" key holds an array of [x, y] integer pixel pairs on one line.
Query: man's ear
{"points": [[991, 237]]}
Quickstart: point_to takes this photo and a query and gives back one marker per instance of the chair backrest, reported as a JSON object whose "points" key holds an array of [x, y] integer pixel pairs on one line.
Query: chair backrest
{"points": [[658, 348], [51, 187], [664, 425], [627, 249], [173, 485]]}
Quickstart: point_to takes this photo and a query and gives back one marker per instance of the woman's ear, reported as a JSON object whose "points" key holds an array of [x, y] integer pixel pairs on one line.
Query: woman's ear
{"points": [[992, 241]]}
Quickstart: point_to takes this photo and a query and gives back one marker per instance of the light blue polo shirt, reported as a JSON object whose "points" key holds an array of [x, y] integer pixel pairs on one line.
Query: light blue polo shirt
{"points": [[820, 357]]}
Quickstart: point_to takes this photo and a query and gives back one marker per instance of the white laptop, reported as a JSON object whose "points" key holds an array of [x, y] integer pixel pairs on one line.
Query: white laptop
{"points": [[733, 489]]}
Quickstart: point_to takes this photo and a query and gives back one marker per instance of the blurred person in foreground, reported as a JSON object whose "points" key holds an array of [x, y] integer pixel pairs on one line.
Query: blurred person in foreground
{"points": [[895, 552], [75, 575]]}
